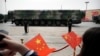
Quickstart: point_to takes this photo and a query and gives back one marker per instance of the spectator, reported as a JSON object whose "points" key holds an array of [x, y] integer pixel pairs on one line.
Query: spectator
{"points": [[91, 42], [10, 47]]}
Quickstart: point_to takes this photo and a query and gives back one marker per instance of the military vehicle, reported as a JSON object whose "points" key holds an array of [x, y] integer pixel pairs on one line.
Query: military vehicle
{"points": [[47, 17], [96, 17]]}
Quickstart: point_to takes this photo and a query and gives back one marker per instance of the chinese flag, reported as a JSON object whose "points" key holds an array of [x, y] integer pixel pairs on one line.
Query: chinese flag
{"points": [[72, 39], [38, 44], [78, 40]]}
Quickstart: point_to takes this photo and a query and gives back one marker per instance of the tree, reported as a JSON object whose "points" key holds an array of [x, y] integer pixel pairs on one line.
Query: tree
{"points": [[1, 16]]}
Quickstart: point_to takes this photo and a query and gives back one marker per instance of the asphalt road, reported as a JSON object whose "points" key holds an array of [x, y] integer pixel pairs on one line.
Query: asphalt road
{"points": [[52, 35]]}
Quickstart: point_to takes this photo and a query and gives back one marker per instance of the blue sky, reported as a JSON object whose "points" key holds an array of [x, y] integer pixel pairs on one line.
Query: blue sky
{"points": [[47, 4]]}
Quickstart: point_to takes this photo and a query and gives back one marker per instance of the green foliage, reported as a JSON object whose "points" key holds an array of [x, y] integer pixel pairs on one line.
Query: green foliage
{"points": [[10, 15], [1, 16]]}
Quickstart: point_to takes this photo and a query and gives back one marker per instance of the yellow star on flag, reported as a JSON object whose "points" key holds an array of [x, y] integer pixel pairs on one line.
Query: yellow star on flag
{"points": [[72, 39], [38, 41], [39, 45], [66, 37]]}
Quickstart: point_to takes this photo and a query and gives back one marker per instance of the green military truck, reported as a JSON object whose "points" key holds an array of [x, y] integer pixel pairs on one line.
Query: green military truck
{"points": [[47, 17], [96, 19]]}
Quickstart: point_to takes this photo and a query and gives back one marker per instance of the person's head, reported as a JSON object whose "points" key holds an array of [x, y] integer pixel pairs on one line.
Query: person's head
{"points": [[91, 42]]}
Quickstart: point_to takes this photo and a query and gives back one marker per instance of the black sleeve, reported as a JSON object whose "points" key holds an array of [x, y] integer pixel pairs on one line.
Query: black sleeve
{"points": [[34, 54], [30, 53]]}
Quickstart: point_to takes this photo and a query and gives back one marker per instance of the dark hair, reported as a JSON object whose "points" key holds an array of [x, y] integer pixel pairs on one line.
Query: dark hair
{"points": [[1, 54], [91, 42]]}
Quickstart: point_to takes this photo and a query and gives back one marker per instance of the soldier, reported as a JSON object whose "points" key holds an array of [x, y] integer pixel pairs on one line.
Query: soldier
{"points": [[69, 25], [25, 26]]}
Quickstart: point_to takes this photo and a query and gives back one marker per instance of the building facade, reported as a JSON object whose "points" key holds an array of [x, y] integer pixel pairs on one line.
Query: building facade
{"points": [[92, 12]]}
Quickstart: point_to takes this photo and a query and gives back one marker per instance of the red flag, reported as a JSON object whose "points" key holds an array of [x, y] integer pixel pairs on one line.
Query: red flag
{"points": [[78, 40], [72, 39], [38, 44]]}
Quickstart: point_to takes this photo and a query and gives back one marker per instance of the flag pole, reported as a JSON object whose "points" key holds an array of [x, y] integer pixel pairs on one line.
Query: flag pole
{"points": [[74, 53], [22, 41]]}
